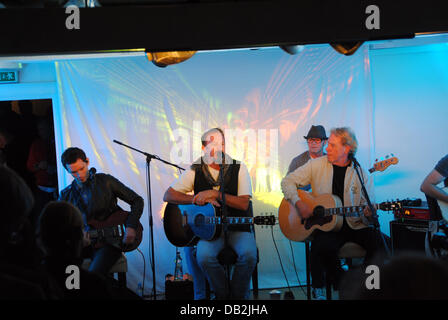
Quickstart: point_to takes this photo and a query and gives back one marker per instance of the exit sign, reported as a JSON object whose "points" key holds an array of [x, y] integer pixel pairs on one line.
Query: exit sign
{"points": [[8, 76]]}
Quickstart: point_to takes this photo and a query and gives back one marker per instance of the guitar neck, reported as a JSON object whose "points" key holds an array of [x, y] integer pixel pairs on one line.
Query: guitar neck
{"points": [[353, 211], [229, 220]]}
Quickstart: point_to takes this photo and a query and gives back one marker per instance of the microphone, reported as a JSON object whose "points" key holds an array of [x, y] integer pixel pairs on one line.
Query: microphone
{"points": [[117, 142], [351, 156]]}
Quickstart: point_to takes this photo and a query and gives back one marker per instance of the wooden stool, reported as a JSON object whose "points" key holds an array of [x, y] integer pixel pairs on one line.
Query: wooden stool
{"points": [[348, 251]]}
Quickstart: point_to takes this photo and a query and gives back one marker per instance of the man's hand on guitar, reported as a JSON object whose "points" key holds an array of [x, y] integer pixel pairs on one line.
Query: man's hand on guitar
{"points": [[86, 239], [207, 196], [129, 236], [304, 210], [367, 211]]}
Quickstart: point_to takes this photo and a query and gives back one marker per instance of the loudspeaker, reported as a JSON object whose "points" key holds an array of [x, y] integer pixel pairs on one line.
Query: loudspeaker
{"points": [[408, 235], [179, 290]]}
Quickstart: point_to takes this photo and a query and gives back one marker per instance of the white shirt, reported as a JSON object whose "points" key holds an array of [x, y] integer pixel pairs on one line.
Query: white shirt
{"points": [[185, 183]]}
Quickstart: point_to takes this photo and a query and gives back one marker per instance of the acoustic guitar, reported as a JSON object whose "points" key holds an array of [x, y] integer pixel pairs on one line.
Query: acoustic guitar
{"points": [[327, 215], [113, 230], [185, 224]]}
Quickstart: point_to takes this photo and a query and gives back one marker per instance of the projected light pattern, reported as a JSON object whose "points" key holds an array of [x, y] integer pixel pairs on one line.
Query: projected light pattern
{"points": [[156, 110]]}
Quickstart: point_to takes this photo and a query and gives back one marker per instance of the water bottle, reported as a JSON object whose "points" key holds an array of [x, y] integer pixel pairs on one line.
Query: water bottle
{"points": [[178, 273]]}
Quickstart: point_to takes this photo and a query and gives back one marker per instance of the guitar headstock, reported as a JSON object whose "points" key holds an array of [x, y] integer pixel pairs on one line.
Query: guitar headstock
{"points": [[384, 164], [390, 205], [265, 220]]}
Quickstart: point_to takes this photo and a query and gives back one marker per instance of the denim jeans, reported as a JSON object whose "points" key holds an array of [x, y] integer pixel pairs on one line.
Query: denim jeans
{"points": [[243, 243], [199, 280]]}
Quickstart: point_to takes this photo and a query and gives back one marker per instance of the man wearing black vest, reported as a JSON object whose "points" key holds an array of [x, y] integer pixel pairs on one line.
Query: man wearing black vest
{"points": [[203, 179]]}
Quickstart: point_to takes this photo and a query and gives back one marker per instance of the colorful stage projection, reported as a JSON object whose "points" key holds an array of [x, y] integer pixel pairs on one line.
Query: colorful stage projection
{"points": [[266, 101]]}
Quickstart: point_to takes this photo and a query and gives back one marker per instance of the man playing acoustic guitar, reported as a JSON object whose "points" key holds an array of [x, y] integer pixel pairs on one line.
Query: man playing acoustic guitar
{"points": [[434, 192], [332, 174], [203, 179], [96, 195]]}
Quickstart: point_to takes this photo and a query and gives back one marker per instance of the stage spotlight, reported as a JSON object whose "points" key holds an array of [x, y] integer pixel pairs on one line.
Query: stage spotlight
{"points": [[163, 59], [347, 48], [292, 49]]}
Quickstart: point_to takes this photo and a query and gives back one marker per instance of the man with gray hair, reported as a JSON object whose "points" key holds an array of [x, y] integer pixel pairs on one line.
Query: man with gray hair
{"points": [[333, 174]]}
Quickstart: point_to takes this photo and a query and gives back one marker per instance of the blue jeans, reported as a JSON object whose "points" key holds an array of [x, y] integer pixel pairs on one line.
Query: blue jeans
{"points": [[243, 243], [199, 280]]}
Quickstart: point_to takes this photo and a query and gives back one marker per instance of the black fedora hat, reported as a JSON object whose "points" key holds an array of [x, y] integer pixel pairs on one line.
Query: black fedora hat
{"points": [[317, 132]]}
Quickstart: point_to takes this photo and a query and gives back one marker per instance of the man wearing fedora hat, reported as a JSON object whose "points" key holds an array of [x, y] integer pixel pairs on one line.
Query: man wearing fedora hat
{"points": [[316, 140]]}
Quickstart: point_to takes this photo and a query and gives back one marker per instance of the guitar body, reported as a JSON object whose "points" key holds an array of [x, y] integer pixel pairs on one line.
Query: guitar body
{"points": [[297, 229], [114, 227], [184, 224]]}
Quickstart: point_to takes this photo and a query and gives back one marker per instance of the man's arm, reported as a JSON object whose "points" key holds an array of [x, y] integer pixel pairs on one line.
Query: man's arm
{"points": [[177, 197], [130, 197], [299, 177], [236, 202], [429, 186]]}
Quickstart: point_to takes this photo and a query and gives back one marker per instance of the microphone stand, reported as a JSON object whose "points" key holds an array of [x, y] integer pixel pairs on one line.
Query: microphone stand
{"points": [[224, 221], [149, 157], [376, 223]]}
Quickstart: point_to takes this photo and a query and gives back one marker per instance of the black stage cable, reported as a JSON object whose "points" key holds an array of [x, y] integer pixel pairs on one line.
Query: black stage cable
{"points": [[280, 259], [295, 269], [144, 272]]}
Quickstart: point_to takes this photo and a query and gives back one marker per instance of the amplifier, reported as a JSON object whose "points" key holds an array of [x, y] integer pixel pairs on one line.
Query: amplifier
{"points": [[179, 290], [419, 213], [408, 235]]}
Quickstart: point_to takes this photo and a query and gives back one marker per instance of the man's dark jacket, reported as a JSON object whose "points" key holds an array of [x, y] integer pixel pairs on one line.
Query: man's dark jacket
{"points": [[105, 189]]}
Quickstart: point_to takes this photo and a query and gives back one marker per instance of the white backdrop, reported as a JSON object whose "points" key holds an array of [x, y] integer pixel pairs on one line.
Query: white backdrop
{"points": [[273, 97]]}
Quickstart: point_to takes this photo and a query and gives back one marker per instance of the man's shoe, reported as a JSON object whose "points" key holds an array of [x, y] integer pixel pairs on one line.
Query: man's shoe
{"points": [[319, 294]]}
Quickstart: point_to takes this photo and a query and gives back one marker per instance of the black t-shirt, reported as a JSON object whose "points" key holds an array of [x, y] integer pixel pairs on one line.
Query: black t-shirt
{"points": [[338, 181], [442, 168]]}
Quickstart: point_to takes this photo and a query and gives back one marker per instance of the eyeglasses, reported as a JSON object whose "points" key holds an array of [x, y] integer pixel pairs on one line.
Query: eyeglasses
{"points": [[314, 140]]}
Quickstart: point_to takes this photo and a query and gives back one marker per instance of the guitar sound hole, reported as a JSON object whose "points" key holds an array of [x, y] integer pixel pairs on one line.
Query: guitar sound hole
{"points": [[319, 211], [199, 220]]}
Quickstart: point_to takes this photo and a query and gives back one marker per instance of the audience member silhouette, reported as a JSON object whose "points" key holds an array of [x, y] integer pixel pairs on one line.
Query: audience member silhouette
{"points": [[408, 276], [19, 133], [21, 274], [62, 239], [42, 163]]}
